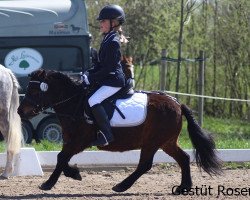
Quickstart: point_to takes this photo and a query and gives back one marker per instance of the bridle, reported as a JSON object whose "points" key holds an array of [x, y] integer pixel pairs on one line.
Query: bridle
{"points": [[39, 102]]}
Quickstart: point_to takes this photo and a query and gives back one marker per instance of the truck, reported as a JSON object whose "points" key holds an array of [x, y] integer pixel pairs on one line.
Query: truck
{"points": [[48, 34]]}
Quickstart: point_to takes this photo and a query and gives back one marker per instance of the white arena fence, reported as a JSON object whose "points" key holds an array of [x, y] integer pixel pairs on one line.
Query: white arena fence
{"points": [[132, 157], [128, 158]]}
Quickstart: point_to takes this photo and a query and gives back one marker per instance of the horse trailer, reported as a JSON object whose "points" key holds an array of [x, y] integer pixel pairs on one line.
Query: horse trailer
{"points": [[48, 34]]}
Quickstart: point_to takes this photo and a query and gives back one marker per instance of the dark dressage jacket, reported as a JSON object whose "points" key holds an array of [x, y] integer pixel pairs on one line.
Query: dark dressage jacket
{"points": [[108, 70]]}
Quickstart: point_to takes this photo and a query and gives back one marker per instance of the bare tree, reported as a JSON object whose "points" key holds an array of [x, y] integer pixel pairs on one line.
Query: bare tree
{"points": [[186, 11]]}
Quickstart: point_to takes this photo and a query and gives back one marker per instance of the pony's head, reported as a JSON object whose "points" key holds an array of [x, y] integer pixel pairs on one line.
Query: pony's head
{"points": [[128, 67], [46, 89]]}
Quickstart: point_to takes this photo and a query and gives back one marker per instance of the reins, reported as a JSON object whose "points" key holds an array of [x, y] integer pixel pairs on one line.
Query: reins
{"points": [[62, 102]]}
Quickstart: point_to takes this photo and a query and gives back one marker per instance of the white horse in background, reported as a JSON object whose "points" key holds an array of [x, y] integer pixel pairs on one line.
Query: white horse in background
{"points": [[10, 121]]}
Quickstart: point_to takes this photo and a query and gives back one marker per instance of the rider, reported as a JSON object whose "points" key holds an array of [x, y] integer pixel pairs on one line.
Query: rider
{"points": [[107, 73]]}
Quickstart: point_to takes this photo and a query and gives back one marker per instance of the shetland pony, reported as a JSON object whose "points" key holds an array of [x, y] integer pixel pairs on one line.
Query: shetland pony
{"points": [[160, 129]]}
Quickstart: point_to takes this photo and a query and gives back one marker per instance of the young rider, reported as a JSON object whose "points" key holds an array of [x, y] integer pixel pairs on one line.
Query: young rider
{"points": [[107, 73]]}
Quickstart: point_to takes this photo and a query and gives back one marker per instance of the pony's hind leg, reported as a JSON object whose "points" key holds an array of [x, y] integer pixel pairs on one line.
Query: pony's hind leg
{"points": [[183, 159], [145, 164], [9, 165]]}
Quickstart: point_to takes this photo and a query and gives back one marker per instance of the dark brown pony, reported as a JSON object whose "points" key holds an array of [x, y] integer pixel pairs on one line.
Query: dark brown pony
{"points": [[160, 130]]}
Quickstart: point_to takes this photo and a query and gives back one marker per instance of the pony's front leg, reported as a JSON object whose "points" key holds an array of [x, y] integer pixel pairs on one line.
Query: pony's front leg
{"points": [[145, 164], [72, 172], [62, 162], [9, 164]]}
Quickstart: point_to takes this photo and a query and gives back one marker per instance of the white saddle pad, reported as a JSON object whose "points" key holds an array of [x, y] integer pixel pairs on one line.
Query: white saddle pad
{"points": [[134, 109]]}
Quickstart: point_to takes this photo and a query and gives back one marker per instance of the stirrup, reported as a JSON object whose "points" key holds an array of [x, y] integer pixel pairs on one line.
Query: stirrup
{"points": [[101, 140]]}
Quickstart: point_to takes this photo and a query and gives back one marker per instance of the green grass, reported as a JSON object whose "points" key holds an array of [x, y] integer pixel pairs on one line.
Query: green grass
{"points": [[228, 134], [44, 145], [2, 147]]}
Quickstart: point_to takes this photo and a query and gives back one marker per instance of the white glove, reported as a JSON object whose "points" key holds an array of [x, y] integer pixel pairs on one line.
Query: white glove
{"points": [[85, 79]]}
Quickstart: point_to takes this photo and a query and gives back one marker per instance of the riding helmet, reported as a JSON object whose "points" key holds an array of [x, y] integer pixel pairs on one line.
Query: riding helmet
{"points": [[112, 12]]}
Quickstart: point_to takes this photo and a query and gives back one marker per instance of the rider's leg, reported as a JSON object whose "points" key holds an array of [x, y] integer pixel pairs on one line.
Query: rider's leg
{"points": [[105, 135]]}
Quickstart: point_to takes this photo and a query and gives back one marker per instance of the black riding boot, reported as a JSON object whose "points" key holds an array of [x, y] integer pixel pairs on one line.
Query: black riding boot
{"points": [[105, 135]]}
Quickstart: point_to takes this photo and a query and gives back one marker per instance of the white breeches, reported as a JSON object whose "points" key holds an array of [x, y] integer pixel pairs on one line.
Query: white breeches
{"points": [[101, 94]]}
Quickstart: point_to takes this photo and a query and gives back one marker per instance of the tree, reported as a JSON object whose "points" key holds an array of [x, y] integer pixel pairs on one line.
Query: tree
{"points": [[221, 28]]}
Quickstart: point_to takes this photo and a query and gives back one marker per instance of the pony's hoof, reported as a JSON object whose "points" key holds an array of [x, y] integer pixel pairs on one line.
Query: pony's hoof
{"points": [[2, 177], [77, 177], [73, 173], [45, 186], [119, 188]]}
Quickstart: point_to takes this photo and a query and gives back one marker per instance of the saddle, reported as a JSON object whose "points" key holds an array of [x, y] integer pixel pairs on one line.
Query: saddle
{"points": [[109, 104]]}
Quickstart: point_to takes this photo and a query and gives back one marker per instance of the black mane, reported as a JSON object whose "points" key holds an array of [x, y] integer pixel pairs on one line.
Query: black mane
{"points": [[71, 81]]}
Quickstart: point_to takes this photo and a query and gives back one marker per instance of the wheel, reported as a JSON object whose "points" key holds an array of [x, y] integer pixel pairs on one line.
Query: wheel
{"points": [[50, 129], [27, 132]]}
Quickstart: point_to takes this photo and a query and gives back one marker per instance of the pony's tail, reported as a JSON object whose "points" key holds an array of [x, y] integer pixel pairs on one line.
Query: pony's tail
{"points": [[14, 137], [205, 152]]}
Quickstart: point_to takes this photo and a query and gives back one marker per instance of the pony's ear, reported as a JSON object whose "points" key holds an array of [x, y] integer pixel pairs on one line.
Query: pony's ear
{"points": [[42, 74]]}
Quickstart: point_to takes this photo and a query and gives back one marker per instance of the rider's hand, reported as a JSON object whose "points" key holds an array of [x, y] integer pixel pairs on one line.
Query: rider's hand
{"points": [[85, 81]]}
